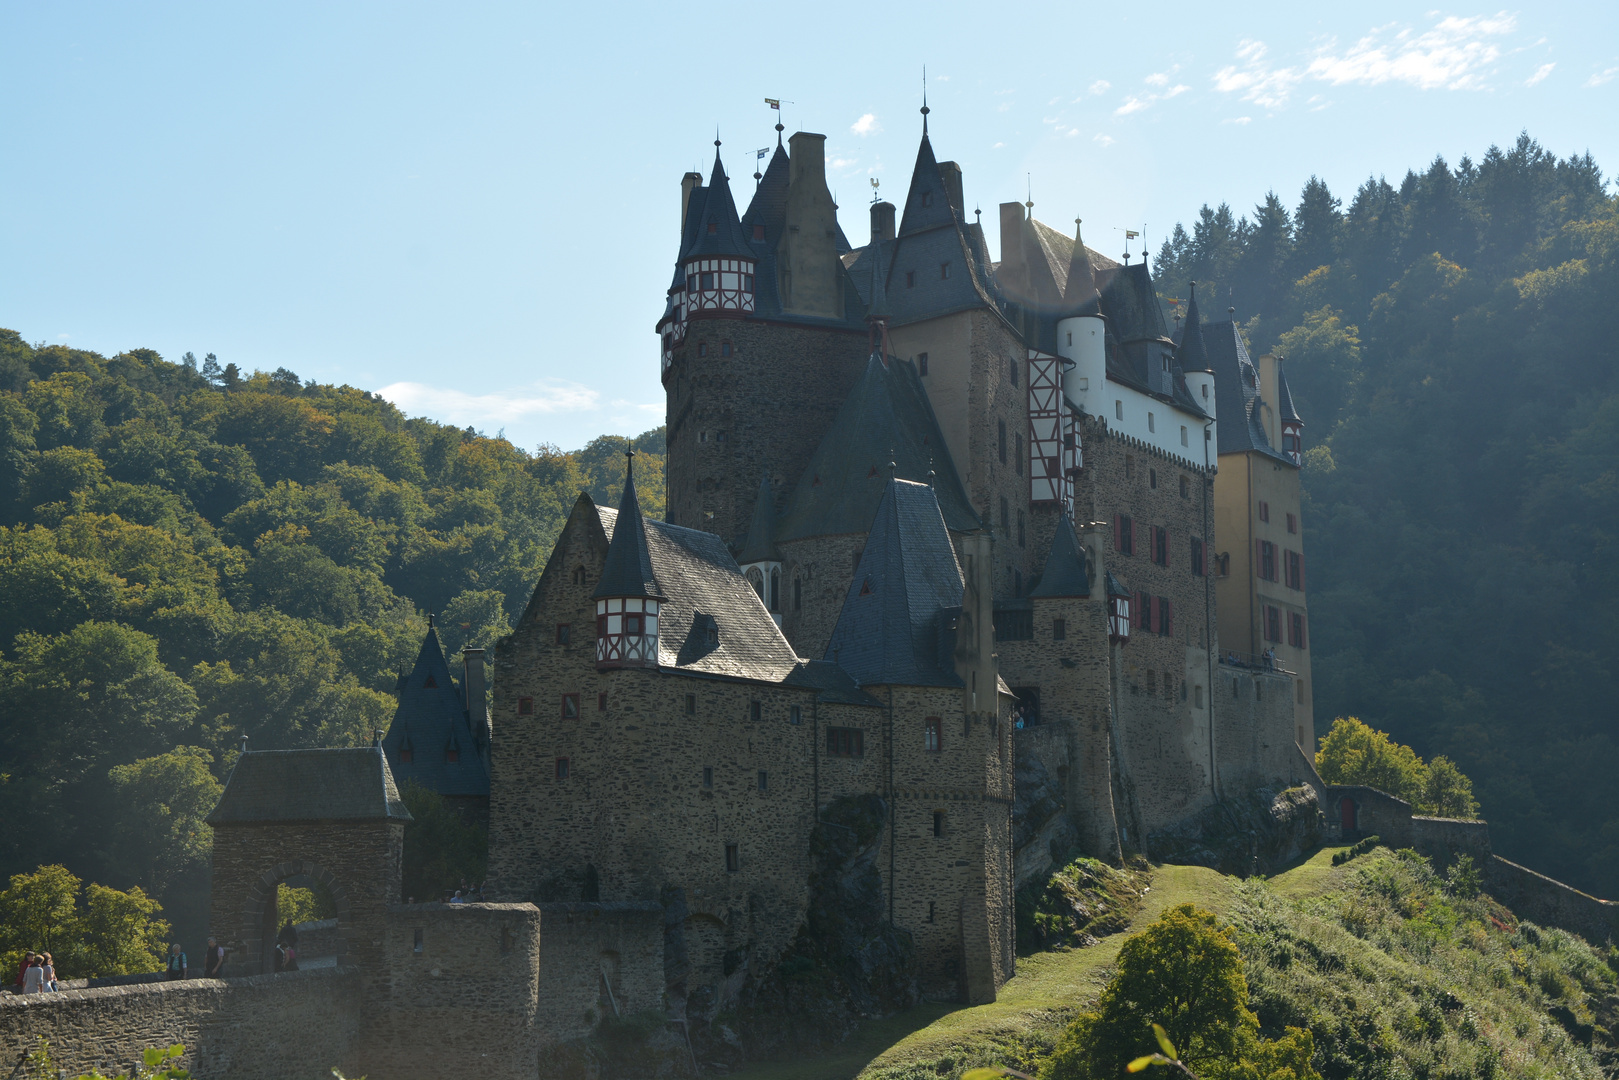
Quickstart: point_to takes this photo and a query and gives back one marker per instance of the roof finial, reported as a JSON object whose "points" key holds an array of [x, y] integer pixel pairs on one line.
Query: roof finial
{"points": [[1029, 203], [629, 463], [430, 620], [925, 109], [930, 472]]}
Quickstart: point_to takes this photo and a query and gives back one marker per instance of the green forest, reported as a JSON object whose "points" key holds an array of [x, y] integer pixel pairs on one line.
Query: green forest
{"points": [[1447, 343], [192, 557]]}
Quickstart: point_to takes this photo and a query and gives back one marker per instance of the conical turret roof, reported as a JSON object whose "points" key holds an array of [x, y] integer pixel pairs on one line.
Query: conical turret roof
{"points": [[927, 203], [1080, 296], [719, 229], [628, 569], [1066, 573], [760, 543], [1284, 398], [1193, 354]]}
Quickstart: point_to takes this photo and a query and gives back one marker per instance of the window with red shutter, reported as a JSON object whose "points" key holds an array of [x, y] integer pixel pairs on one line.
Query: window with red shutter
{"points": [[1169, 619], [1144, 605]]}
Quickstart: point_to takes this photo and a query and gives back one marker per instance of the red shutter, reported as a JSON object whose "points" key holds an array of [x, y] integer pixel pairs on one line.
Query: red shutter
{"points": [[1166, 545], [1116, 532]]}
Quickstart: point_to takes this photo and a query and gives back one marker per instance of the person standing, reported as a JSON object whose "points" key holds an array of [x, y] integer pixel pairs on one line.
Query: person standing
{"points": [[34, 978], [177, 962], [213, 961], [49, 965], [22, 969]]}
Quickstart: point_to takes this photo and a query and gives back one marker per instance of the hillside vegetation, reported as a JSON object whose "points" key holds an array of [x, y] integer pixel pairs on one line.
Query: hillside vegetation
{"points": [[189, 557], [1447, 343]]}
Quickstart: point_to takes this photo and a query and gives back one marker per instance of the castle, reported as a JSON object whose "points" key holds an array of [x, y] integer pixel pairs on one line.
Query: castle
{"points": [[928, 512]]}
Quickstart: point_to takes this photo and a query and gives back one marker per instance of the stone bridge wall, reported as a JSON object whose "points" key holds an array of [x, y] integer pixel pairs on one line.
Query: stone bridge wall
{"points": [[587, 944]]}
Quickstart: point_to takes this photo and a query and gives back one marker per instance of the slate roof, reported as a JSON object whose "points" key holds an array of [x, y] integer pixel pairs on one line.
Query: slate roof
{"points": [[1284, 398], [1066, 573], [310, 785], [891, 628], [431, 717], [886, 417], [719, 232], [833, 683], [1236, 393], [1115, 587], [760, 543], [628, 570], [931, 235], [1193, 353]]}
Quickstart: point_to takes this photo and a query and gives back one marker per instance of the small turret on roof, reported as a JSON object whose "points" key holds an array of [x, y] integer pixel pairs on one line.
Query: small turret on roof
{"points": [[719, 229], [627, 572], [1193, 354], [1284, 398], [1067, 572], [431, 741], [1080, 296]]}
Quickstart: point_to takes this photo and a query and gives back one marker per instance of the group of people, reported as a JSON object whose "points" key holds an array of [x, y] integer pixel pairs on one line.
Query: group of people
{"points": [[466, 894], [36, 974], [213, 962]]}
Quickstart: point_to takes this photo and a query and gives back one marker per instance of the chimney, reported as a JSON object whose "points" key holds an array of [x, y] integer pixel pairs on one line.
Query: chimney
{"points": [[688, 183], [1012, 274], [950, 173], [477, 706], [882, 222], [807, 253]]}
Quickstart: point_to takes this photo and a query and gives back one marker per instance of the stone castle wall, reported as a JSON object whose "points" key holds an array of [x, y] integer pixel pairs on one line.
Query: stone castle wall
{"points": [[591, 948], [294, 1026], [1254, 728], [759, 411]]}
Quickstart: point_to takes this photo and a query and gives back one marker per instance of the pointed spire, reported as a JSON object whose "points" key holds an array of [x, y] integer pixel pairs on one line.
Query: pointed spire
{"points": [[1193, 354], [718, 229], [1080, 295], [1067, 573], [1284, 397], [628, 569], [760, 543], [925, 109]]}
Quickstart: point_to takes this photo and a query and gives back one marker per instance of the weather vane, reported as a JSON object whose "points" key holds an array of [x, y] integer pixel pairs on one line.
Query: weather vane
{"points": [[875, 184]]}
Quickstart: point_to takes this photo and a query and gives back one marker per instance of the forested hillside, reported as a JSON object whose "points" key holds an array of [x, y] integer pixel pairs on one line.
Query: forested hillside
{"points": [[190, 556], [1449, 343]]}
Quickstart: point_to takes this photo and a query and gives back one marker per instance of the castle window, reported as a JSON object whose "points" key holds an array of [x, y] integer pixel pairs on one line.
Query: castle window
{"points": [[922, 363], [564, 632], [1152, 422], [944, 271], [1118, 410], [1267, 559], [932, 732], [702, 348], [1011, 369], [1273, 623], [798, 594], [927, 198], [713, 228], [1295, 570], [795, 714], [417, 945], [1129, 466], [601, 701], [758, 232], [1118, 619], [1017, 454], [1292, 523], [430, 684], [1160, 545], [1197, 697], [1014, 624], [1152, 683], [1020, 542], [406, 755], [725, 348], [764, 780], [562, 768], [1006, 516], [1144, 607], [1184, 441], [525, 706], [708, 776], [733, 859], [1295, 630], [452, 754], [691, 704], [1124, 535], [719, 436], [707, 281], [910, 279], [1152, 479], [1001, 440], [755, 711], [1017, 588], [580, 575], [938, 830], [1223, 561], [1186, 488], [865, 587], [570, 706], [1059, 630], [1166, 618], [1264, 511], [845, 742], [930, 910], [1197, 557]]}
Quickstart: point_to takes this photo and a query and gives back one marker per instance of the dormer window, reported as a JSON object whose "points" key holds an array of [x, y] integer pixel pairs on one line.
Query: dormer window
{"points": [[713, 228], [725, 348], [927, 198], [1118, 619], [452, 754], [944, 271], [910, 279], [430, 684], [758, 233], [719, 286]]}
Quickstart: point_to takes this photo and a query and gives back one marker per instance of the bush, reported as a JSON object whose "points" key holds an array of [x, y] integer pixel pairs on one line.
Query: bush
{"points": [[1359, 848]]}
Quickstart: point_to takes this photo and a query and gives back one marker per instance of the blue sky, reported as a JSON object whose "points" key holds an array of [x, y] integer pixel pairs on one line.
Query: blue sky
{"points": [[473, 207]]}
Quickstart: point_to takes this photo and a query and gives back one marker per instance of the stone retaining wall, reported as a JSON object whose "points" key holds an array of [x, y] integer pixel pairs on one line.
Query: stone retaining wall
{"points": [[295, 1026], [589, 946]]}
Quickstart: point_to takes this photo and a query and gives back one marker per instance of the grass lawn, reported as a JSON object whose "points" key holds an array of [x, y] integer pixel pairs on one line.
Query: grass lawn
{"points": [[1315, 874], [1047, 989]]}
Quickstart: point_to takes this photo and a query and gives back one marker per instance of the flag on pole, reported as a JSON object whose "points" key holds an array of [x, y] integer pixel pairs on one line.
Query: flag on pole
{"points": [[774, 103], [761, 154], [1130, 234]]}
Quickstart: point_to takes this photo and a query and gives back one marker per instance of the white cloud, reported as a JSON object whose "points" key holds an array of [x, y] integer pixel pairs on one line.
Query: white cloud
{"points": [[1456, 54], [1005, 105], [1256, 80], [1101, 86], [941, 78], [1158, 78], [1602, 77], [1238, 120], [546, 397], [1540, 74], [997, 146], [1175, 91], [866, 125], [1105, 140], [843, 162], [1133, 104], [62, 337]]}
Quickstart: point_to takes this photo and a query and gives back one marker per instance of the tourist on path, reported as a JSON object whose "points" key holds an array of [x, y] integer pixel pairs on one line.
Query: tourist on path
{"points": [[213, 961], [22, 969], [49, 966], [177, 962], [34, 978]]}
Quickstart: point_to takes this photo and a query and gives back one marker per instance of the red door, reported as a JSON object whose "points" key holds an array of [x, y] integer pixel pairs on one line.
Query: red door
{"points": [[1346, 813]]}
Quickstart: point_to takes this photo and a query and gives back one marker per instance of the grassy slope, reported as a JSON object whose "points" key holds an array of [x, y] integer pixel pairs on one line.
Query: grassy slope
{"points": [[1048, 989]]}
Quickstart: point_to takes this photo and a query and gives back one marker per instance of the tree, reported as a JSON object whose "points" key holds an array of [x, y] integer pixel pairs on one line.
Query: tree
{"points": [[108, 933], [1447, 792], [442, 848], [1353, 753], [161, 803], [120, 932], [38, 911]]}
